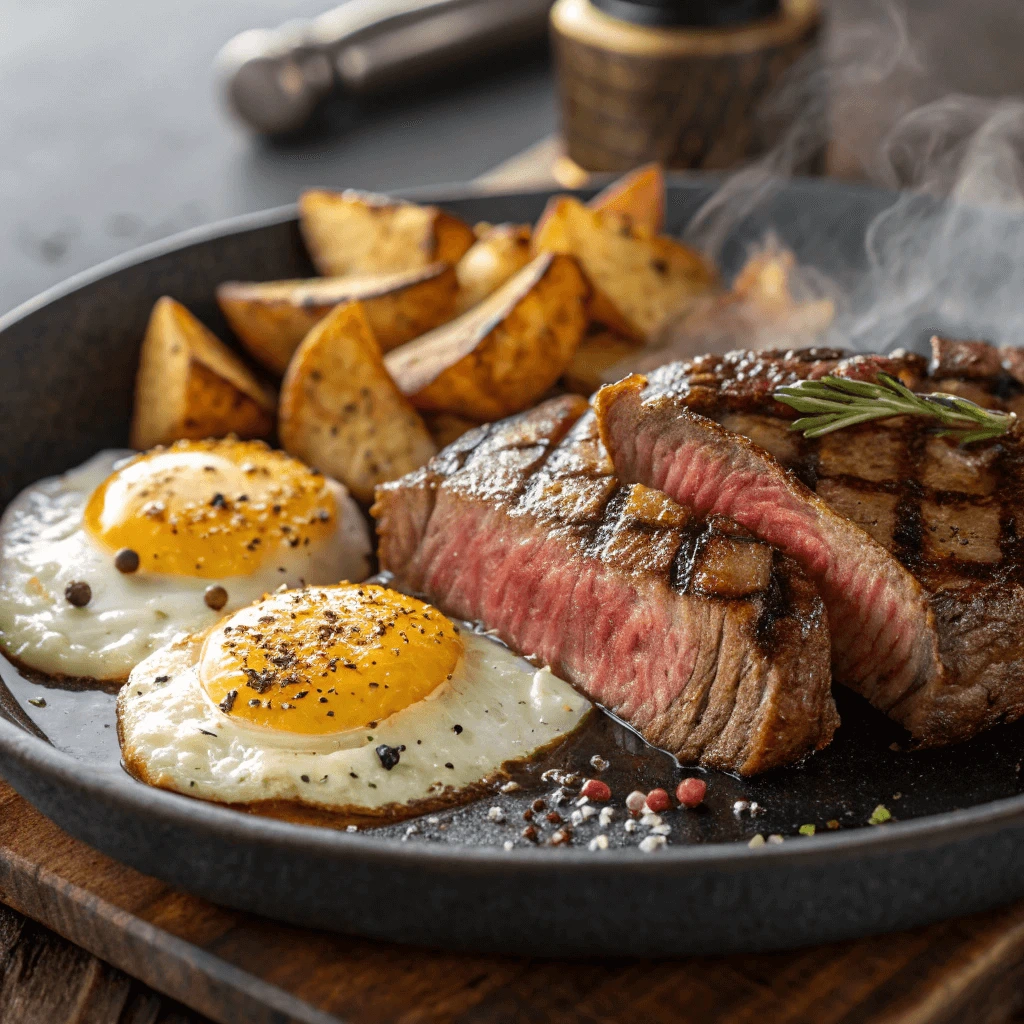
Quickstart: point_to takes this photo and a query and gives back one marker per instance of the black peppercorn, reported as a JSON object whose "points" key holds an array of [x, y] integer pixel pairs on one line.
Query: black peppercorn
{"points": [[389, 756], [215, 597], [78, 594], [126, 560]]}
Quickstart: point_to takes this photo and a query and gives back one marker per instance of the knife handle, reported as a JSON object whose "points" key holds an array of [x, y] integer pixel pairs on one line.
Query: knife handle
{"points": [[274, 79]]}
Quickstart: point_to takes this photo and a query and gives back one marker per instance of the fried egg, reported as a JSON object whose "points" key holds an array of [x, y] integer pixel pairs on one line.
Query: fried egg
{"points": [[350, 698], [101, 566]]}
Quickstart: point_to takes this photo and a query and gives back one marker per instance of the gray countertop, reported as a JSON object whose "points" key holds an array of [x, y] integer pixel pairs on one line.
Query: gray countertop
{"points": [[111, 134]]}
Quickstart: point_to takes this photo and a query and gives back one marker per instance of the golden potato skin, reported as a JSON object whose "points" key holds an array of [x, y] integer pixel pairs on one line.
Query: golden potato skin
{"points": [[271, 318], [191, 385], [638, 196], [499, 252], [501, 356], [639, 279], [362, 233], [597, 353], [341, 412]]}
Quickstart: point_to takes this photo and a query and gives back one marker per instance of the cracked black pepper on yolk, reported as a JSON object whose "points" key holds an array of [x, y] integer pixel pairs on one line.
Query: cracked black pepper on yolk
{"points": [[328, 659], [210, 509]]}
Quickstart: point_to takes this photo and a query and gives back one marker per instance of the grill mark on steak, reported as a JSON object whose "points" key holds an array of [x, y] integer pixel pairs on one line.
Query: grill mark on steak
{"points": [[527, 530], [947, 515]]}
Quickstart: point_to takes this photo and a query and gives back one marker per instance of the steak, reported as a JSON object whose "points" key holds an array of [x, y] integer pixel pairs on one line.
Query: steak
{"points": [[709, 643], [913, 540]]}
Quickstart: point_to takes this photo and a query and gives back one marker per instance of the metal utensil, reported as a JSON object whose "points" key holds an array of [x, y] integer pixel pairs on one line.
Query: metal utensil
{"points": [[275, 78]]}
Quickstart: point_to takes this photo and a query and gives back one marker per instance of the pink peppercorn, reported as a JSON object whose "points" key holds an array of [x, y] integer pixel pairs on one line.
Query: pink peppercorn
{"points": [[596, 790], [690, 792], [657, 800], [635, 801]]}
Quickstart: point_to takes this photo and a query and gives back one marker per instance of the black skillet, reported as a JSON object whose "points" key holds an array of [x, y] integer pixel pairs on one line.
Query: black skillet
{"points": [[955, 843]]}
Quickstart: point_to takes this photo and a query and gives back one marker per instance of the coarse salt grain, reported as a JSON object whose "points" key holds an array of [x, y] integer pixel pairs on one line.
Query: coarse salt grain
{"points": [[740, 806], [652, 843], [576, 817], [606, 815], [507, 845], [582, 800], [598, 763], [433, 820], [589, 812], [776, 838], [757, 841], [598, 843], [629, 824], [352, 828], [636, 800], [650, 819], [661, 830], [496, 814], [510, 787]]}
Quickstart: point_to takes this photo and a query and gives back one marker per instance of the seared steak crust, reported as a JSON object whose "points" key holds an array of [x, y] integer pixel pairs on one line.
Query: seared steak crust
{"points": [[709, 643], [925, 589]]}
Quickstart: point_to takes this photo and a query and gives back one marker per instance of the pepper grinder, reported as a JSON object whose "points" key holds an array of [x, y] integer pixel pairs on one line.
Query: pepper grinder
{"points": [[678, 81]]}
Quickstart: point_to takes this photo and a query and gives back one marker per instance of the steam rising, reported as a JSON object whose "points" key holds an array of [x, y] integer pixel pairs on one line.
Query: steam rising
{"points": [[948, 255]]}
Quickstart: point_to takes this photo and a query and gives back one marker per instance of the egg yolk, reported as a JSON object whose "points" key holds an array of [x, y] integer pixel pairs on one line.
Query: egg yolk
{"points": [[210, 508], [328, 659]]}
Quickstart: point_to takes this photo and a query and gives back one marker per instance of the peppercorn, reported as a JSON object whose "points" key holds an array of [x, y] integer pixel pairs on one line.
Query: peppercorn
{"points": [[126, 561], [78, 594], [690, 792], [215, 597]]}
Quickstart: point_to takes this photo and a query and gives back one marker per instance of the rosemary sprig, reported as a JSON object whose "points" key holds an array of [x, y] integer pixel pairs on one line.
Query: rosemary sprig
{"points": [[833, 403]]}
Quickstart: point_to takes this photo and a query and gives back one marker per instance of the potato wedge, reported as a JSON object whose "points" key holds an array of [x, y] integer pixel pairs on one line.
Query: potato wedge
{"points": [[362, 233], [341, 412], [500, 251], [597, 353], [191, 385], [272, 317], [639, 280], [638, 196], [446, 427], [503, 354]]}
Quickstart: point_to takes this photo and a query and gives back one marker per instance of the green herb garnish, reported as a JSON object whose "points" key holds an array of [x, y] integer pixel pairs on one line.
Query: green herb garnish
{"points": [[833, 403], [880, 815], [806, 830]]}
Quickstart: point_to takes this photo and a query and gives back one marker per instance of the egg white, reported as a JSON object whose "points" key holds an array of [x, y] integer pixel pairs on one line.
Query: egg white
{"points": [[173, 736], [44, 546]]}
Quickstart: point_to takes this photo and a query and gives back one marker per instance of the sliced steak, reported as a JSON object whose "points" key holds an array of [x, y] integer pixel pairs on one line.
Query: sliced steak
{"points": [[710, 644], [913, 540]]}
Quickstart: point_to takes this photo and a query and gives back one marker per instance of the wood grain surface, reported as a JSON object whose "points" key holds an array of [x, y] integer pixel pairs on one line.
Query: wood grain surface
{"points": [[235, 967]]}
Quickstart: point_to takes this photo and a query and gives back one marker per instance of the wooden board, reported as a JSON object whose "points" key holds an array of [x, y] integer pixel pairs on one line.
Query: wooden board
{"points": [[237, 967]]}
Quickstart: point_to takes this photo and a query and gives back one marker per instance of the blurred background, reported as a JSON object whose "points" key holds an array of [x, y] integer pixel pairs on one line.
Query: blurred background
{"points": [[113, 132]]}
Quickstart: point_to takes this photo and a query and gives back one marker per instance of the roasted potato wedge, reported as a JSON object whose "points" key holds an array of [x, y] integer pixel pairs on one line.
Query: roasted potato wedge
{"points": [[638, 196], [500, 251], [341, 412], [446, 427], [191, 385], [271, 318], [639, 279], [362, 233], [503, 354], [597, 353]]}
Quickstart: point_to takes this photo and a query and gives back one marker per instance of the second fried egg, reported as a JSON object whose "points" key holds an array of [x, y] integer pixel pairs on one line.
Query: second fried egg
{"points": [[351, 698]]}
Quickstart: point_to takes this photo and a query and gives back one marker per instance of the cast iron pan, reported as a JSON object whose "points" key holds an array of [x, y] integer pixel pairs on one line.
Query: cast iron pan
{"points": [[955, 844]]}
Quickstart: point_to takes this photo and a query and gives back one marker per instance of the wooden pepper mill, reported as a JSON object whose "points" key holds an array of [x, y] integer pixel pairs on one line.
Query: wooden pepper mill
{"points": [[677, 81]]}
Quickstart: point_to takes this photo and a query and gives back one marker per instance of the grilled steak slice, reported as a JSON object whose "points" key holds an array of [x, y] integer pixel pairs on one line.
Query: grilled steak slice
{"points": [[710, 644], [914, 541]]}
